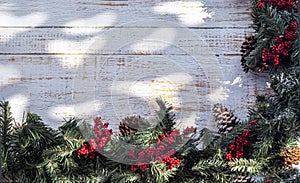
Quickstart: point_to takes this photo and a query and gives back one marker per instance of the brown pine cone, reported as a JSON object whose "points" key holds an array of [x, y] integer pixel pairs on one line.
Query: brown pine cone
{"points": [[291, 156], [224, 118], [247, 47], [130, 125]]}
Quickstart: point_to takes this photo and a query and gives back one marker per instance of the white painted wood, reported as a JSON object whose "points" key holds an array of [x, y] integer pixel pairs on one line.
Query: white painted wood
{"points": [[65, 41], [111, 13], [45, 46], [48, 82]]}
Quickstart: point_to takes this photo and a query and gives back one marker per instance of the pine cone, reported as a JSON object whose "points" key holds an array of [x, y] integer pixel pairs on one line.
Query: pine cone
{"points": [[224, 118], [291, 156], [243, 179], [130, 125], [249, 45]]}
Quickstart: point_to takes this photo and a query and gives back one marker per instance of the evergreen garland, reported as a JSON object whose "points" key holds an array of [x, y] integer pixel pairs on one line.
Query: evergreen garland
{"points": [[276, 26], [262, 148]]}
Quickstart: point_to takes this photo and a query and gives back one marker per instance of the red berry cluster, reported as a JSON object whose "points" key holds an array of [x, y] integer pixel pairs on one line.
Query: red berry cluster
{"points": [[102, 134], [96, 144], [161, 152], [168, 137], [88, 150], [142, 166], [282, 44], [171, 162], [281, 5], [157, 154], [238, 147], [85, 149]]}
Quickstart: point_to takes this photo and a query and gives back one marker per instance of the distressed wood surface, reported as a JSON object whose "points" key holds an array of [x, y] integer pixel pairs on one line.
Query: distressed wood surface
{"points": [[76, 13], [60, 41], [49, 64]]}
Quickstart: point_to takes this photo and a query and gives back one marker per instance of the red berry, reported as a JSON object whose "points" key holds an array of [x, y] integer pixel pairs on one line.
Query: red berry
{"points": [[229, 156], [231, 146], [134, 167], [106, 125]]}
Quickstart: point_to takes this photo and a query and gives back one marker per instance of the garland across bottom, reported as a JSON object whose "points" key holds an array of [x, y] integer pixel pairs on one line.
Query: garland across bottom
{"points": [[262, 148]]}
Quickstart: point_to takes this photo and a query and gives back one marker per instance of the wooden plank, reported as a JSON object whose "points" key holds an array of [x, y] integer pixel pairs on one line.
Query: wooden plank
{"points": [[55, 88], [65, 41], [230, 13]]}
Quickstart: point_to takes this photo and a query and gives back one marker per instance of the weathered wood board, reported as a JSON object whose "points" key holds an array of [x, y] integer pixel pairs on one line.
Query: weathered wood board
{"points": [[51, 66]]}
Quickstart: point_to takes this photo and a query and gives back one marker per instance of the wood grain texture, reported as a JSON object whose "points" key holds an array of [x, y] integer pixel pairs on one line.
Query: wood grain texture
{"points": [[63, 41], [232, 13], [49, 67]]}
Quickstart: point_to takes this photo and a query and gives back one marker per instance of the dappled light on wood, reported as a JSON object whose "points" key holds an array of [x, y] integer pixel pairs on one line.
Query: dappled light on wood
{"points": [[150, 42], [82, 25], [7, 74], [188, 13], [85, 110], [33, 19], [19, 104]]}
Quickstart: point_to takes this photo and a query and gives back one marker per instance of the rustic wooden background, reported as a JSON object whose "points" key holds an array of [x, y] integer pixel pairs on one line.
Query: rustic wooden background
{"points": [[48, 67]]}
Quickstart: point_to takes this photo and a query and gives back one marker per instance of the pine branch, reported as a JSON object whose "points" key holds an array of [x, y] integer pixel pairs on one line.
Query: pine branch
{"points": [[213, 169], [255, 16], [146, 137], [71, 133], [285, 84], [159, 173], [273, 23], [165, 115], [28, 143], [125, 177], [246, 166], [6, 128]]}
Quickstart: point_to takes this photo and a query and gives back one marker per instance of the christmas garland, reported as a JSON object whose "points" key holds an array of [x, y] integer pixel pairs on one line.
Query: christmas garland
{"points": [[262, 148], [275, 42]]}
